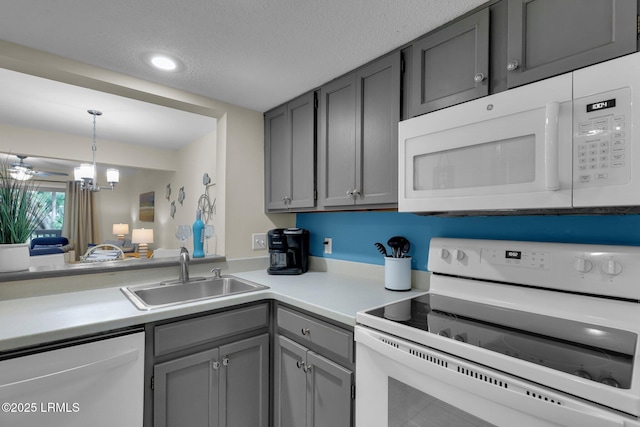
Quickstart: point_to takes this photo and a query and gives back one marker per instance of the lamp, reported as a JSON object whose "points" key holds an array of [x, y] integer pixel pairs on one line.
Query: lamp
{"points": [[120, 230], [86, 173], [142, 236]]}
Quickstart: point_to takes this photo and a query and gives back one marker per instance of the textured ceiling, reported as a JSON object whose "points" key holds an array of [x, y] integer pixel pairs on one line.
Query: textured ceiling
{"points": [[252, 53]]}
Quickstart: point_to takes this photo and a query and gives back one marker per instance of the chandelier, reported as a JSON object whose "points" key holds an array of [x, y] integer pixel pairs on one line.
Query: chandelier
{"points": [[86, 173]]}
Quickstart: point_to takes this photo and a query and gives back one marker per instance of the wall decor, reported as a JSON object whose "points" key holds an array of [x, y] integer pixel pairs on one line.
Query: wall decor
{"points": [[181, 195], [173, 209], [147, 207], [168, 192]]}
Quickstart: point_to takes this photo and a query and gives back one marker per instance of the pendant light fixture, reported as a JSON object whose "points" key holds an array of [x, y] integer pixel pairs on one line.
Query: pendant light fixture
{"points": [[86, 173]]}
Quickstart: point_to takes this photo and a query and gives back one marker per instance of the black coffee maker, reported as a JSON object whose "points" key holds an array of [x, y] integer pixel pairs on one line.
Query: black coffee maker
{"points": [[288, 250]]}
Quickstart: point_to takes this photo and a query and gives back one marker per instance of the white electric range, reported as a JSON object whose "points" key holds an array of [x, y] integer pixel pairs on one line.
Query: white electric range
{"points": [[510, 333]]}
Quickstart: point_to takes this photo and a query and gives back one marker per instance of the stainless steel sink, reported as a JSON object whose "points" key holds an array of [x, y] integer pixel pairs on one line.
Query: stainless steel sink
{"points": [[158, 295]]}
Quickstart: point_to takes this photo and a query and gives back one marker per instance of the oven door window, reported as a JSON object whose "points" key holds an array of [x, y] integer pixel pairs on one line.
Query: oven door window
{"points": [[411, 407]]}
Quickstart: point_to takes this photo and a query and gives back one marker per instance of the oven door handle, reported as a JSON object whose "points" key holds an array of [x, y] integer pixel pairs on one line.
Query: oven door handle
{"points": [[552, 171]]}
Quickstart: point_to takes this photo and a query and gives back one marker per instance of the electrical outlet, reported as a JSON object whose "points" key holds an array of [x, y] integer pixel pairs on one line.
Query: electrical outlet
{"points": [[328, 245], [258, 241]]}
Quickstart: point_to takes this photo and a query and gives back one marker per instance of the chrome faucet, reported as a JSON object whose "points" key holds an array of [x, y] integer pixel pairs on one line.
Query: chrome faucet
{"points": [[184, 265]]}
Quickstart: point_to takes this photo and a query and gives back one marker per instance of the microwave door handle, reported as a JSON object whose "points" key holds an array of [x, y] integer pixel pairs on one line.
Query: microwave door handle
{"points": [[552, 113]]}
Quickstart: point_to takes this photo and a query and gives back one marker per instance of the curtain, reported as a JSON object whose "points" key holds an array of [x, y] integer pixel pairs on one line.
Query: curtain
{"points": [[80, 224]]}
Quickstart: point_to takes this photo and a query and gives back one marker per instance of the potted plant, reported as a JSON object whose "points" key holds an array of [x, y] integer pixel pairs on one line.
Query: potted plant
{"points": [[22, 210]]}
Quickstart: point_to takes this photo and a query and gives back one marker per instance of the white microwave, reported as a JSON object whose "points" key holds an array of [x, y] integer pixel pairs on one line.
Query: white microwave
{"points": [[561, 143]]}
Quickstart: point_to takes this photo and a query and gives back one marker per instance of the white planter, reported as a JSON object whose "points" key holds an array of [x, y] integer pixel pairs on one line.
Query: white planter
{"points": [[14, 257]]}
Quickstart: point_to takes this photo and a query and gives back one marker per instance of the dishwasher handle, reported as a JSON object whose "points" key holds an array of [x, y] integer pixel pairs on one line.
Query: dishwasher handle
{"points": [[64, 375]]}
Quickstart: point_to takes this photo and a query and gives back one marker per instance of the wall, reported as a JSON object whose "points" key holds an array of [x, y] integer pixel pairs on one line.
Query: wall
{"points": [[37, 143], [239, 135], [354, 233]]}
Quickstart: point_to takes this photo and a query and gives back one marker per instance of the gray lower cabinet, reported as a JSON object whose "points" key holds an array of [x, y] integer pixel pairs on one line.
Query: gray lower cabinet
{"points": [[225, 386], [213, 370], [450, 65], [290, 136], [549, 37], [310, 390], [358, 136], [313, 372]]}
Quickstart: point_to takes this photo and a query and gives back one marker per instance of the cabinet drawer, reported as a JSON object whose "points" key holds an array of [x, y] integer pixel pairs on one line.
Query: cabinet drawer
{"points": [[187, 333], [309, 330]]}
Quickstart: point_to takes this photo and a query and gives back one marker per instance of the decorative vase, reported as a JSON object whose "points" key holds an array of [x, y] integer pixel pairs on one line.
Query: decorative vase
{"points": [[198, 236], [14, 257]]}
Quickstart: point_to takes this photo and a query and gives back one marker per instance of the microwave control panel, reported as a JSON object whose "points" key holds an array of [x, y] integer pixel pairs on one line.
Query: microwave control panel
{"points": [[602, 139]]}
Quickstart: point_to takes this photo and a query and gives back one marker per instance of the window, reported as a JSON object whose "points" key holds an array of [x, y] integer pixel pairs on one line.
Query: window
{"points": [[52, 224]]}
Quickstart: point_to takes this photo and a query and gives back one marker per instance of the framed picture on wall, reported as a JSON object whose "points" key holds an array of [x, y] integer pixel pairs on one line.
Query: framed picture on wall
{"points": [[147, 207]]}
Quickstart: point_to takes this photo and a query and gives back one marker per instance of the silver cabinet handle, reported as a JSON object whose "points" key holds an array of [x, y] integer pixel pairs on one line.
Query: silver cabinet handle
{"points": [[305, 331], [215, 364], [225, 361], [478, 77], [349, 192], [302, 365], [355, 193], [286, 200], [513, 65]]}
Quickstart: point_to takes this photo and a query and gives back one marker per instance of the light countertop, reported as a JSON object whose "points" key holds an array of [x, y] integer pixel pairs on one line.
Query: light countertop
{"points": [[36, 320]]}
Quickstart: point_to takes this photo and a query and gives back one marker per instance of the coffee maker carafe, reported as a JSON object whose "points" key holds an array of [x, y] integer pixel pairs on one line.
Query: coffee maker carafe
{"points": [[288, 250]]}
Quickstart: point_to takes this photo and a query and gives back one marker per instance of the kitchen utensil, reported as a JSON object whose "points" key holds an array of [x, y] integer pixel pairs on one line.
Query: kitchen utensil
{"points": [[396, 243], [381, 248], [404, 250]]}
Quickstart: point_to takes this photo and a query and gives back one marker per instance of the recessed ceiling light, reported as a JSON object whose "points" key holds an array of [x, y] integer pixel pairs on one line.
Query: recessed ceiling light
{"points": [[163, 62]]}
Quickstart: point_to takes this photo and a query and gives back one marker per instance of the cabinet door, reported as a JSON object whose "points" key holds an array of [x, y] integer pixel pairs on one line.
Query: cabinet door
{"points": [[244, 383], [302, 119], [377, 117], [451, 65], [549, 37], [329, 402], [337, 146], [277, 158], [290, 384], [186, 391]]}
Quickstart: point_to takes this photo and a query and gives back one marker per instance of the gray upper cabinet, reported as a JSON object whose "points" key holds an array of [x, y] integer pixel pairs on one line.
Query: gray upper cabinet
{"points": [[290, 155], [450, 65], [357, 154], [549, 37]]}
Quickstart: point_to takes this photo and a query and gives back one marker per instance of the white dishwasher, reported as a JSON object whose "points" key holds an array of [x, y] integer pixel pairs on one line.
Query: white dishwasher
{"points": [[91, 382]]}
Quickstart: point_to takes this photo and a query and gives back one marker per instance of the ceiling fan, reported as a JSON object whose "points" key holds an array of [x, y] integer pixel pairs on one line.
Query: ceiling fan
{"points": [[23, 171]]}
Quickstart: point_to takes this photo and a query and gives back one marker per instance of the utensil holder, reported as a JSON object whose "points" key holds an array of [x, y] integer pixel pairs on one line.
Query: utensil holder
{"points": [[397, 273]]}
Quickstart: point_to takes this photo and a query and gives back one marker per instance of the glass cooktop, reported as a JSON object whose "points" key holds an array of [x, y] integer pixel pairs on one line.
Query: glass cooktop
{"points": [[593, 352]]}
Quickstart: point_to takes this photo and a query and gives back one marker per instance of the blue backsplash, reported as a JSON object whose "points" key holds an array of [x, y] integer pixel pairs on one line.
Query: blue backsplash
{"points": [[354, 233]]}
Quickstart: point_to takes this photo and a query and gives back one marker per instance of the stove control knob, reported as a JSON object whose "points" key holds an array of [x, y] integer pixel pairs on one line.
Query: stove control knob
{"points": [[610, 382], [459, 254], [444, 254], [583, 265], [582, 374], [611, 268]]}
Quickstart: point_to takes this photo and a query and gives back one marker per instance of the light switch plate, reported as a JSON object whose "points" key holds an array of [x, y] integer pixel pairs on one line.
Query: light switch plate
{"points": [[258, 241], [328, 245]]}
